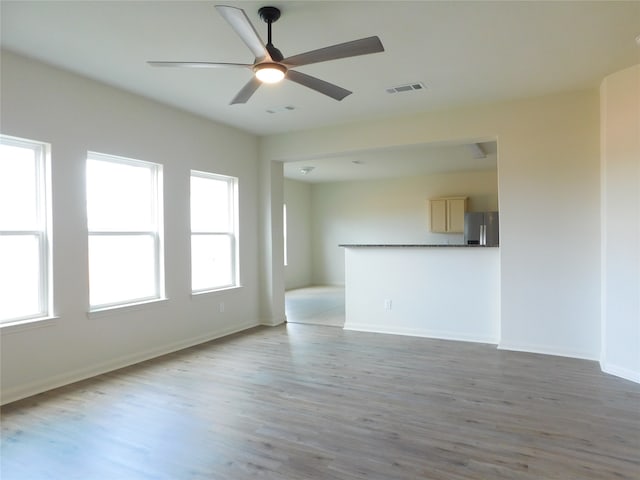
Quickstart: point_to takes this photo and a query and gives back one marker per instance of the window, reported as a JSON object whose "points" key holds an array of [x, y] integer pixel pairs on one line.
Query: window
{"points": [[124, 218], [284, 232], [25, 259], [213, 232]]}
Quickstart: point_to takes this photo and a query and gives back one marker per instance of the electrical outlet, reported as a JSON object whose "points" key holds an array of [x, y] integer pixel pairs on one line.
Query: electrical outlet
{"points": [[387, 304]]}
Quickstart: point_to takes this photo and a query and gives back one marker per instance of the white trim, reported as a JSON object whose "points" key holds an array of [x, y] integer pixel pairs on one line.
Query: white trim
{"points": [[545, 350], [134, 162], [620, 372], [7, 328], [200, 293], [39, 386], [273, 322], [415, 332], [124, 308]]}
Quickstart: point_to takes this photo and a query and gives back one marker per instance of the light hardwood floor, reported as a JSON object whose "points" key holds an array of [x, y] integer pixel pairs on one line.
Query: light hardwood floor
{"points": [[309, 402]]}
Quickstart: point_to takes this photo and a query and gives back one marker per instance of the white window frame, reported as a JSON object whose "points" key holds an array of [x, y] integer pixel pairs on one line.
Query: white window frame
{"points": [[231, 233], [156, 233], [284, 234], [43, 226]]}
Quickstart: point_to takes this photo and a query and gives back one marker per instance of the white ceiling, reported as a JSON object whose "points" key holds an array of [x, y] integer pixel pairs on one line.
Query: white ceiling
{"points": [[464, 52], [404, 161]]}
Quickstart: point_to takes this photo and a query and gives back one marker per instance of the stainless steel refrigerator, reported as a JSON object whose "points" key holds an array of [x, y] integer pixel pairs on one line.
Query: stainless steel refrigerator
{"points": [[481, 228]]}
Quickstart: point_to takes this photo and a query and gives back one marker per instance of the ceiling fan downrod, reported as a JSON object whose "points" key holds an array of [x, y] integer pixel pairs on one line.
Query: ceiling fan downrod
{"points": [[270, 15]]}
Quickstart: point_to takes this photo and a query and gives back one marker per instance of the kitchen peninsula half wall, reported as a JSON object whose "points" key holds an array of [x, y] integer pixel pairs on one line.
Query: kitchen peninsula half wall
{"points": [[438, 291]]}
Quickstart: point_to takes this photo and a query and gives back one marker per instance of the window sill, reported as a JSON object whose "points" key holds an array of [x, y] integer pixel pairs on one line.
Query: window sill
{"points": [[216, 291], [24, 325], [129, 307]]}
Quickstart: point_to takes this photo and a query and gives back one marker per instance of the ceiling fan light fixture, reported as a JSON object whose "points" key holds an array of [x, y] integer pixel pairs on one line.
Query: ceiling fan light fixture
{"points": [[269, 66], [270, 72]]}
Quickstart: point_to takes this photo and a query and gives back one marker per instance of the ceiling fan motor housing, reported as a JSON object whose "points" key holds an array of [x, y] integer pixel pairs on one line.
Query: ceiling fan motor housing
{"points": [[269, 14]]}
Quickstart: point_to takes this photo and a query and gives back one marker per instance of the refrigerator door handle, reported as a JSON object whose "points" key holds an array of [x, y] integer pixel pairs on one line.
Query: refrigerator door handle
{"points": [[483, 234]]}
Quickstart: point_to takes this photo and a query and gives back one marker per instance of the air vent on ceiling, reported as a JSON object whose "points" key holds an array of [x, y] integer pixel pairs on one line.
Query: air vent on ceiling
{"points": [[284, 108], [409, 87]]}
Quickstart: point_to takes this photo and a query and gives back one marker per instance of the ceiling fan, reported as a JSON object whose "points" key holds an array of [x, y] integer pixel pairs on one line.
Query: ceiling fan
{"points": [[270, 66]]}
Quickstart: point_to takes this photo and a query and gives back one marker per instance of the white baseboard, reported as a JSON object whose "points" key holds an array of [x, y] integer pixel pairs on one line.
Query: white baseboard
{"points": [[544, 350], [273, 322], [412, 332], [26, 390], [621, 372]]}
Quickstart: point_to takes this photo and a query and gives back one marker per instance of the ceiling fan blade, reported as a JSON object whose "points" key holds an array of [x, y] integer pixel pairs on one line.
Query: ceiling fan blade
{"points": [[326, 88], [245, 93], [364, 46], [245, 30], [199, 64]]}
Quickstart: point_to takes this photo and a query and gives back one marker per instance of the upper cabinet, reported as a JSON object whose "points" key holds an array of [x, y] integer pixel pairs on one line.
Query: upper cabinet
{"points": [[446, 214]]}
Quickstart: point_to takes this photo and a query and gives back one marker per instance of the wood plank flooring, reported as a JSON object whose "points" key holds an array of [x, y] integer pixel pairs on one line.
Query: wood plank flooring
{"points": [[308, 402]]}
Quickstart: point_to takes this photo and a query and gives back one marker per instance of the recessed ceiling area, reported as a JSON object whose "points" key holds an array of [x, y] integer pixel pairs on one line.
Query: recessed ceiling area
{"points": [[401, 161]]}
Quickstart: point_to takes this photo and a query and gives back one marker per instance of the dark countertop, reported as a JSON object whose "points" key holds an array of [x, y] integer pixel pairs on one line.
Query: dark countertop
{"points": [[414, 245]]}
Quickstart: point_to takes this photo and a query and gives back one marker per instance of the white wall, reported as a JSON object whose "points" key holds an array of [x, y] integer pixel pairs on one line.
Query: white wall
{"points": [[393, 210], [74, 115], [437, 292], [620, 130], [297, 197], [548, 178]]}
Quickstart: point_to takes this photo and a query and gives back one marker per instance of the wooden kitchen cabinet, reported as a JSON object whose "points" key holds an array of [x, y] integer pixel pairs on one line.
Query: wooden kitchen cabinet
{"points": [[446, 214]]}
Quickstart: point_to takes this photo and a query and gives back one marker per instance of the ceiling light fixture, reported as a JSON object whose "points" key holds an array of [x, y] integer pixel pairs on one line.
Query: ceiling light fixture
{"points": [[306, 170], [270, 72]]}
